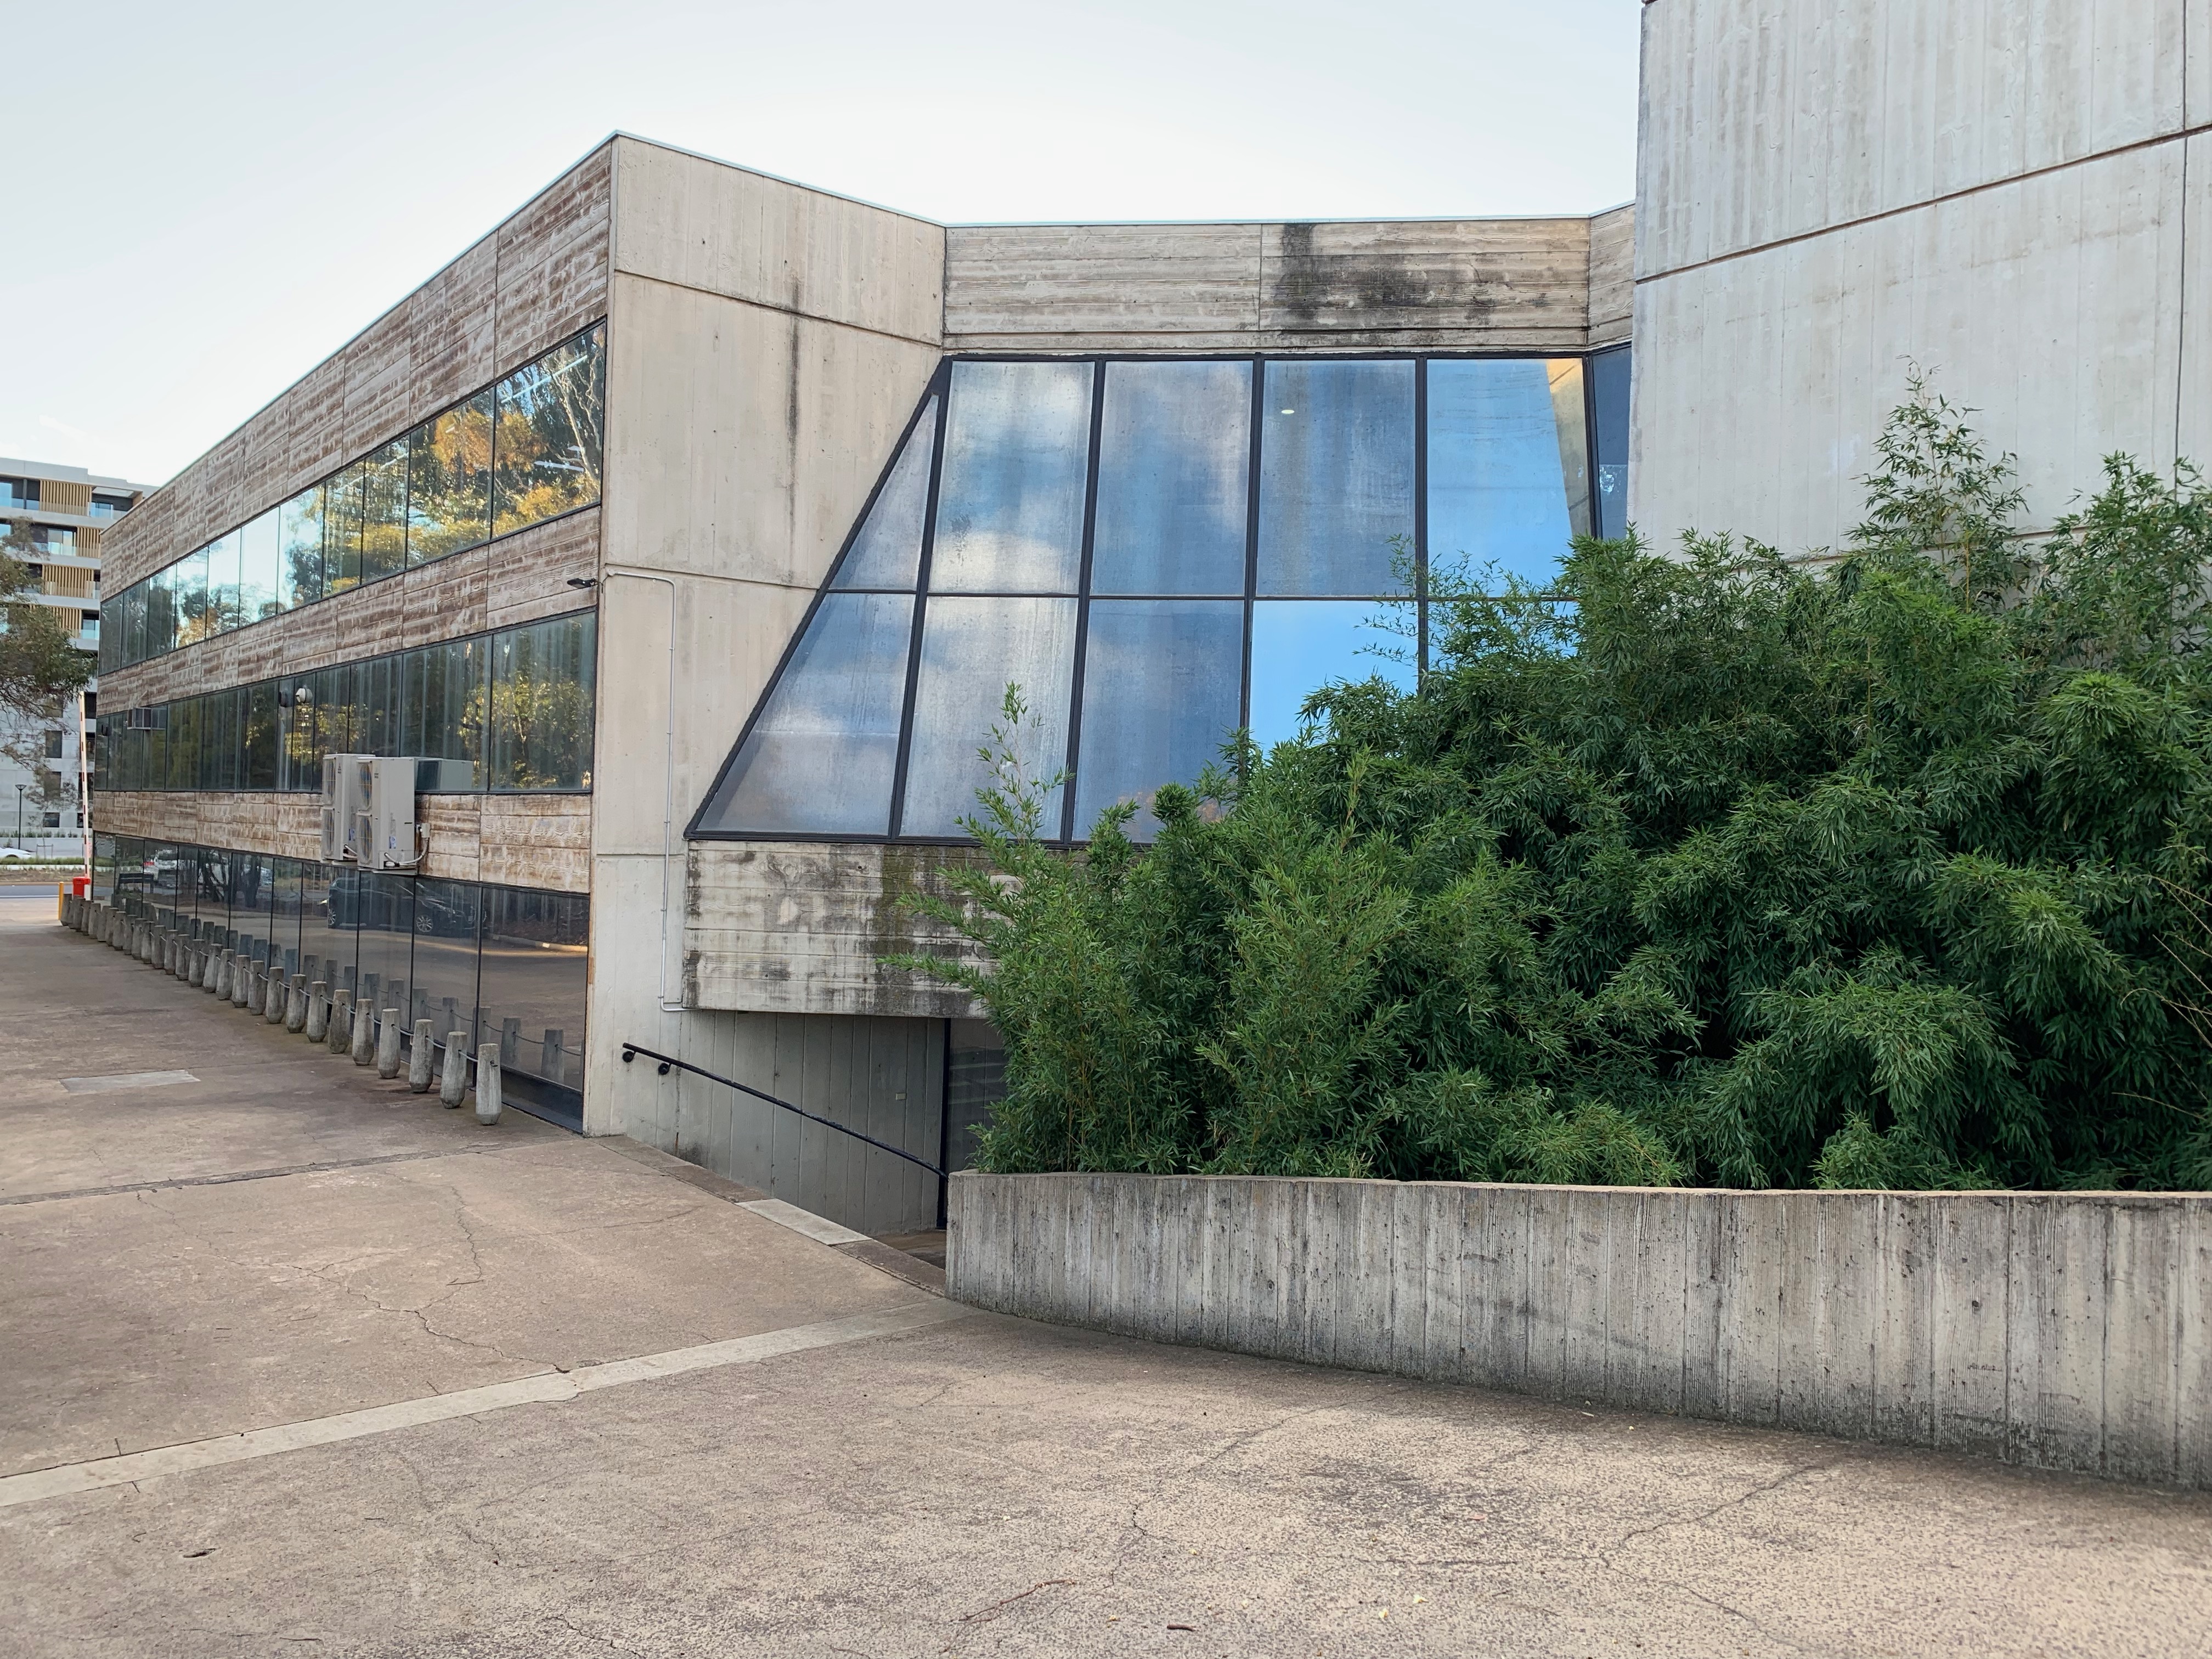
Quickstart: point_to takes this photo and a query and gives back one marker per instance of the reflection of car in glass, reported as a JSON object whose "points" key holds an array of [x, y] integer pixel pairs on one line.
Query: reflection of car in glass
{"points": [[14, 855], [349, 904]]}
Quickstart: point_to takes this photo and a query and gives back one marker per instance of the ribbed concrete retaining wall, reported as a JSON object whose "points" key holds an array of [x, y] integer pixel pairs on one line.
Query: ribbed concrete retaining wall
{"points": [[2062, 1331]]}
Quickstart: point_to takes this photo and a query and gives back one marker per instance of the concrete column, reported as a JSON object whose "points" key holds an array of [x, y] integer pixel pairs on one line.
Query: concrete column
{"points": [[420, 1054], [453, 1084], [318, 1012], [364, 1030], [338, 1035], [387, 1044], [488, 1102]]}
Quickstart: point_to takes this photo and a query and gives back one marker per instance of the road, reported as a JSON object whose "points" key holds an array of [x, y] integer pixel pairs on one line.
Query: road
{"points": [[295, 1362]]}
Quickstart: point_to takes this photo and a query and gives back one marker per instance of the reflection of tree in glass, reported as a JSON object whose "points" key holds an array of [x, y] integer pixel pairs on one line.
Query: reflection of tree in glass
{"points": [[449, 481], [541, 706], [549, 438]]}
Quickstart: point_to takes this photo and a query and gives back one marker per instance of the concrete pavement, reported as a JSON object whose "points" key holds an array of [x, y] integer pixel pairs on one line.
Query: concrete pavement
{"points": [[289, 1245]]}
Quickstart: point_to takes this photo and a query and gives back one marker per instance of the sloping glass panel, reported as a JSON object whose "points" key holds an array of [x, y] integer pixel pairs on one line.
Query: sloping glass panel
{"points": [[1160, 684], [1173, 458], [822, 756], [1010, 500], [1499, 491], [1298, 646], [887, 553], [971, 649], [1336, 476], [257, 567]]}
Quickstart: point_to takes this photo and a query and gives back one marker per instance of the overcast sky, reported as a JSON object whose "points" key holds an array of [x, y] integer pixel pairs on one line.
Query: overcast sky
{"points": [[207, 200]]}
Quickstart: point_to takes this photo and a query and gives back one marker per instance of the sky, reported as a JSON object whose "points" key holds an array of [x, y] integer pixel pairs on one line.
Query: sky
{"points": [[209, 199]]}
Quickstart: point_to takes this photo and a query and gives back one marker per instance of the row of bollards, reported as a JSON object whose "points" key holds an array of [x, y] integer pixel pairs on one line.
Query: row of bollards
{"points": [[303, 1008]]}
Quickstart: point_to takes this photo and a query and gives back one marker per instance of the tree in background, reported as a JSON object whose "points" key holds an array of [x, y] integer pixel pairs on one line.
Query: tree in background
{"points": [[1710, 869], [38, 664]]}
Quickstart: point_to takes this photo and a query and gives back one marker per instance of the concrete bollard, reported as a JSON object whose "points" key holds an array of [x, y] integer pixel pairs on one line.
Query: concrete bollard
{"points": [[318, 1012], [387, 1044], [218, 978], [241, 980], [187, 958], [338, 1035], [287, 1002], [488, 1101], [419, 1056], [364, 1032], [252, 987], [453, 1084]]}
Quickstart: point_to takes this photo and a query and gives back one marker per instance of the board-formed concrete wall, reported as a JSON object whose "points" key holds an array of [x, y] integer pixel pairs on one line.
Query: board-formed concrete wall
{"points": [[2013, 195], [2059, 1330]]}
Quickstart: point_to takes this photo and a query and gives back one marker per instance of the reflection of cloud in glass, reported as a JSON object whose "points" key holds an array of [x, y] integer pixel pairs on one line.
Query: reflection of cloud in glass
{"points": [[1501, 445], [1010, 497]]}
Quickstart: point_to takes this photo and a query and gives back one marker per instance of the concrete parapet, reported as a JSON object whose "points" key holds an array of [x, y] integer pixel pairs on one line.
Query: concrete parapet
{"points": [[2055, 1330]]}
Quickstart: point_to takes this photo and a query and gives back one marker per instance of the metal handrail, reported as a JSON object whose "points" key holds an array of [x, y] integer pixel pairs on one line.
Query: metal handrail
{"points": [[631, 1051]]}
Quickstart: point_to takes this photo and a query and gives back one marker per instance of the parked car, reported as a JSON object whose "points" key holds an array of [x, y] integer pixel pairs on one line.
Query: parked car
{"points": [[14, 855]]}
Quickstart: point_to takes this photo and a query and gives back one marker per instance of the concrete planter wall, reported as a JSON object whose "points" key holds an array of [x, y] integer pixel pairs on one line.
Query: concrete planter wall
{"points": [[2064, 1331]]}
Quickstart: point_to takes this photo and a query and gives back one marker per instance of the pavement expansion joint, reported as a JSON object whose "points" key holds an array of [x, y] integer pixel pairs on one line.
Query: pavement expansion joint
{"points": [[550, 1387]]}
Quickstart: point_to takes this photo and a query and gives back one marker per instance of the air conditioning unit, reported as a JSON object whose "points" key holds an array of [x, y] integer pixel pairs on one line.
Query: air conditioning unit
{"points": [[347, 781], [395, 838]]}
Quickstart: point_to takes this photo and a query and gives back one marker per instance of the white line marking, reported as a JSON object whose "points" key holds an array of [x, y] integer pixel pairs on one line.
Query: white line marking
{"points": [[819, 1228], [547, 1388], [101, 1085]]}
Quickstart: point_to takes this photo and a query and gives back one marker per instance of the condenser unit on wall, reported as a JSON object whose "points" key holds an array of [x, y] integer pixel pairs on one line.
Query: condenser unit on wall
{"points": [[395, 837], [347, 781]]}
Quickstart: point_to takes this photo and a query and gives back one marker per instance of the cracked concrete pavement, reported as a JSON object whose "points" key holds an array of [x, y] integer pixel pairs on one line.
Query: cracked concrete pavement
{"points": [[985, 1486]]}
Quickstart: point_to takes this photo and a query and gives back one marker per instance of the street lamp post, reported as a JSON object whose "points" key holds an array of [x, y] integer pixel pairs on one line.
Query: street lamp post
{"points": [[20, 788]]}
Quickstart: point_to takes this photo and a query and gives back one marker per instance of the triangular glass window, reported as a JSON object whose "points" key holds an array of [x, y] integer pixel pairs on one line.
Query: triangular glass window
{"points": [[887, 553]]}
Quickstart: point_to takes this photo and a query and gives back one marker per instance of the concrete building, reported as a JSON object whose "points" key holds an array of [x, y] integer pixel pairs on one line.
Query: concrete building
{"points": [[54, 517], [688, 528]]}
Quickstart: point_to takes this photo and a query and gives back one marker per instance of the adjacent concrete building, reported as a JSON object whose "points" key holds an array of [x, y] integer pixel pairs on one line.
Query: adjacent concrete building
{"points": [[688, 528]]}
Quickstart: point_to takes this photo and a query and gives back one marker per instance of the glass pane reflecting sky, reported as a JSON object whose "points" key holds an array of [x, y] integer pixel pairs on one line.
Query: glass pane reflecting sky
{"points": [[887, 553], [1174, 459], [971, 649], [1336, 476], [820, 759], [1010, 501], [1160, 689], [1497, 484], [1299, 646]]}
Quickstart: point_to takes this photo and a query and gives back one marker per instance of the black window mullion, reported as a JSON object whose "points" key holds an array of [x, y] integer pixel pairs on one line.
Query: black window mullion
{"points": [[920, 600], [1082, 602]]}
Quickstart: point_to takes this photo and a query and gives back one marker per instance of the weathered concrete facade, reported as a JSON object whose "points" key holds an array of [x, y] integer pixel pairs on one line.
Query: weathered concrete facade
{"points": [[2015, 197], [2055, 1330]]}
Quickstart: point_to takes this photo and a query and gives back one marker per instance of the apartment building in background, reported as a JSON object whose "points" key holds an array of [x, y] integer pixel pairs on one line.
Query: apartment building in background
{"points": [[54, 517]]}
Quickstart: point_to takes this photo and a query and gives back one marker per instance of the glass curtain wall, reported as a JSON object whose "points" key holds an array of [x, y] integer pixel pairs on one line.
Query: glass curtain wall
{"points": [[1157, 554], [483, 963], [515, 454], [443, 703]]}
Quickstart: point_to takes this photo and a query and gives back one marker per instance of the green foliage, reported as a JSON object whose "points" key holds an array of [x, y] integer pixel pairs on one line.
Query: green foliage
{"points": [[1722, 870]]}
